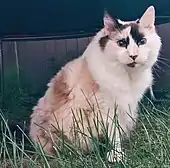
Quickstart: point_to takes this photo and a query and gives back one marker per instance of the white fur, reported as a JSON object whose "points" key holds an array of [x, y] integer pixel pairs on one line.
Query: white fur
{"points": [[119, 83]]}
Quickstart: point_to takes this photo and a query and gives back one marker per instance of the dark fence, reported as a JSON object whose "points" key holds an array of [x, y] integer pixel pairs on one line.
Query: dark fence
{"points": [[32, 63]]}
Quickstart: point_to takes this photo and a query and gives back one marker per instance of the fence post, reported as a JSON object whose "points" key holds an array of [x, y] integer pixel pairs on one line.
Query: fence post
{"points": [[2, 72], [17, 64]]}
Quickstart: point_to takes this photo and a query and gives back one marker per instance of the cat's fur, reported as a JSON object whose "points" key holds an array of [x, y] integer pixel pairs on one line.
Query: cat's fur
{"points": [[104, 77]]}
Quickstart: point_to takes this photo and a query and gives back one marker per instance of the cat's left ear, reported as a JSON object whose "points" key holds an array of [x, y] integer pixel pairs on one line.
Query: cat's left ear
{"points": [[109, 23], [148, 18]]}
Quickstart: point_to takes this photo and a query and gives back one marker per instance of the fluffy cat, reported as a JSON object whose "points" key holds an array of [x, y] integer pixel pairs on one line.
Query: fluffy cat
{"points": [[113, 73]]}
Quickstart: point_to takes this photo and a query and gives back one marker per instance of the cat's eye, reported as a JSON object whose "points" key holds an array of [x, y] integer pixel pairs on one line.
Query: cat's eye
{"points": [[142, 41], [122, 43]]}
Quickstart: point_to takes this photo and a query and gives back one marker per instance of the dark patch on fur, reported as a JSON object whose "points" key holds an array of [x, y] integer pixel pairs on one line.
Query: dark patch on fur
{"points": [[103, 41], [138, 21], [136, 34], [127, 41], [120, 26]]}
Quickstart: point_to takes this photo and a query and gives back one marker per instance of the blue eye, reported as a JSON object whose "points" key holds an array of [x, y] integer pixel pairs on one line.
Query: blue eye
{"points": [[122, 43], [142, 41]]}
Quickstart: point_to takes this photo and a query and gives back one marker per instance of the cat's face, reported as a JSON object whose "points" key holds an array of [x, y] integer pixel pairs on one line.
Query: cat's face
{"points": [[132, 44]]}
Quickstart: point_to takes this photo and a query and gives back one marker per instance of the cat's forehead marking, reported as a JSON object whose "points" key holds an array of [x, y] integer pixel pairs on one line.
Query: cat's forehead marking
{"points": [[135, 32]]}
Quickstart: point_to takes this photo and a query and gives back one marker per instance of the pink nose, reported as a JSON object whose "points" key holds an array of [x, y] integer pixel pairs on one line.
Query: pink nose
{"points": [[133, 57]]}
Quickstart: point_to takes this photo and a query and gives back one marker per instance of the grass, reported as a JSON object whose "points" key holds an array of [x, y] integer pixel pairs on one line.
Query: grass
{"points": [[148, 146]]}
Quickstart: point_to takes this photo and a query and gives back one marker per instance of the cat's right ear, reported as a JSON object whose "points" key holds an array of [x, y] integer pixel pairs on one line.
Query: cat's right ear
{"points": [[109, 23]]}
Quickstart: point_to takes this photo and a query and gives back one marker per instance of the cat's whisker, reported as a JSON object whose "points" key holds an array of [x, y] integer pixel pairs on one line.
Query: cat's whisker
{"points": [[162, 58], [163, 62], [157, 67], [155, 71]]}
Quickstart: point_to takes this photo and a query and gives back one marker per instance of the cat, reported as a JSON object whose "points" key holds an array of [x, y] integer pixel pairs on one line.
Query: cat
{"points": [[114, 72]]}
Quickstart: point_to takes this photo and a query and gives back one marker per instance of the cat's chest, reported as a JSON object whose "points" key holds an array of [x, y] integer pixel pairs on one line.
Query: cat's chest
{"points": [[125, 90]]}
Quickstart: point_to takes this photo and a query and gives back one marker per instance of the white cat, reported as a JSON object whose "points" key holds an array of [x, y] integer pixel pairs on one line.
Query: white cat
{"points": [[114, 72]]}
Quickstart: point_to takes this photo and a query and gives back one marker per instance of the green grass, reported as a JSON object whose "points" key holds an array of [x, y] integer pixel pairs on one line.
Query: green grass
{"points": [[148, 146]]}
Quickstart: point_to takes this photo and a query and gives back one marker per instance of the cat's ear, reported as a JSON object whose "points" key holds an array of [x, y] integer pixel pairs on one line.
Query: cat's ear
{"points": [[148, 18], [109, 23]]}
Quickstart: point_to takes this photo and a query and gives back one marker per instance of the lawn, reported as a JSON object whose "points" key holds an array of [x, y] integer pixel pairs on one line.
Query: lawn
{"points": [[148, 146]]}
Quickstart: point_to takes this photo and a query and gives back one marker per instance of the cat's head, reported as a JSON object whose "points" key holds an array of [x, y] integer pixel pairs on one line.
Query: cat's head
{"points": [[133, 43]]}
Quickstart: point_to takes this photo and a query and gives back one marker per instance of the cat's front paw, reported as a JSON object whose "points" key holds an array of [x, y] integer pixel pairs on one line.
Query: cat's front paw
{"points": [[115, 156]]}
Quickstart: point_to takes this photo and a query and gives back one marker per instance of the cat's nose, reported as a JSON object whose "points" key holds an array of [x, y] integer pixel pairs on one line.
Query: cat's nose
{"points": [[133, 57]]}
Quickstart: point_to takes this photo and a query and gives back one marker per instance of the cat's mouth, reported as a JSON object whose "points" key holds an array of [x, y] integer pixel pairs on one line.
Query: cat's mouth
{"points": [[132, 65]]}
